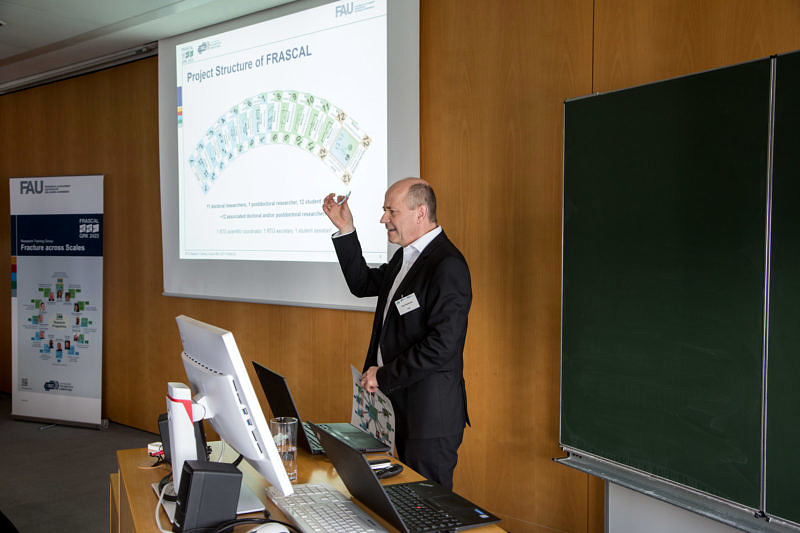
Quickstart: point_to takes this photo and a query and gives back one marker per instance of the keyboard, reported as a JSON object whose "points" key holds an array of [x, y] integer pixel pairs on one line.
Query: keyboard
{"points": [[319, 507], [417, 514]]}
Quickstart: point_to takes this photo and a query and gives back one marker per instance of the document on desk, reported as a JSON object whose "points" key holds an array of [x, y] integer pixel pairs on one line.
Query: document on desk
{"points": [[372, 412]]}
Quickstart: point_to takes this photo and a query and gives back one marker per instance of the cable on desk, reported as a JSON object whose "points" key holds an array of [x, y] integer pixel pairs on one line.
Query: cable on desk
{"points": [[221, 451], [226, 527], [158, 464], [160, 501], [163, 483]]}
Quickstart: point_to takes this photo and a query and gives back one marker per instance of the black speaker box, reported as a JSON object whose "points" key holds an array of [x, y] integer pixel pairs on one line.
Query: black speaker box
{"points": [[199, 437], [208, 496]]}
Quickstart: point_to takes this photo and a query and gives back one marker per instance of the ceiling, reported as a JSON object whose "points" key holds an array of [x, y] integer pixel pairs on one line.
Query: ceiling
{"points": [[43, 40]]}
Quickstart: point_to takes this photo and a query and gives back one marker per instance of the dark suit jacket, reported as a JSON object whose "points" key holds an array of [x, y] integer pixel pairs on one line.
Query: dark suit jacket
{"points": [[423, 349]]}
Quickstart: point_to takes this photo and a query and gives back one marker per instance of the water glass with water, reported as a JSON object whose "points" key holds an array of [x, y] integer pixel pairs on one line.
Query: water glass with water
{"points": [[284, 433]]}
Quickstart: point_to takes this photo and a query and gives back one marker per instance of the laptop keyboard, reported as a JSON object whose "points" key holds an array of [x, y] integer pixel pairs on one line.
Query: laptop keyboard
{"points": [[417, 514], [319, 507]]}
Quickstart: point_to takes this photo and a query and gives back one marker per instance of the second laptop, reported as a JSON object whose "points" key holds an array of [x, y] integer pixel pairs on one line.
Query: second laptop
{"points": [[281, 404]]}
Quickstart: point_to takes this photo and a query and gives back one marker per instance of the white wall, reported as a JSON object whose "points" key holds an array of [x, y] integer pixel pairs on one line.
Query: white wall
{"points": [[629, 511]]}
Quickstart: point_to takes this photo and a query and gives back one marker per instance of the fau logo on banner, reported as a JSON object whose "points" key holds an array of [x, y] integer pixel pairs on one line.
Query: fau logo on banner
{"points": [[31, 186]]}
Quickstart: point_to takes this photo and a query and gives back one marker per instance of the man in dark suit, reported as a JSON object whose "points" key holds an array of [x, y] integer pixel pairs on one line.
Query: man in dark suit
{"points": [[415, 355]]}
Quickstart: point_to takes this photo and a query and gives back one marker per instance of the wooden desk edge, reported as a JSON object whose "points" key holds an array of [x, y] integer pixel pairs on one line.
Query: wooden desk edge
{"points": [[113, 503]]}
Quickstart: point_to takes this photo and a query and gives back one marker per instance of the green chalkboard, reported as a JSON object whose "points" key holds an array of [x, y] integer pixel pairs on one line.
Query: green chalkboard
{"points": [[665, 189], [783, 400]]}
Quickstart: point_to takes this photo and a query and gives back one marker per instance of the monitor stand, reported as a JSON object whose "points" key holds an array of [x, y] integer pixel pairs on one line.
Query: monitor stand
{"points": [[248, 502]]}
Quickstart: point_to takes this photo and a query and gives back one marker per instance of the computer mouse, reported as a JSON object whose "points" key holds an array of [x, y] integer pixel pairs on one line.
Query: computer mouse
{"points": [[390, 471], [270, 527]]}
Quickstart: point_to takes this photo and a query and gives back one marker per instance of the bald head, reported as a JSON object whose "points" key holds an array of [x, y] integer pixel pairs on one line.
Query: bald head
{"points": [[418, 192]]}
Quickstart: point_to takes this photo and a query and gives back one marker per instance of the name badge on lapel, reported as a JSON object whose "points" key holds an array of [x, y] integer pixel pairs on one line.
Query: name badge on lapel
{"points": [[407, 303]]}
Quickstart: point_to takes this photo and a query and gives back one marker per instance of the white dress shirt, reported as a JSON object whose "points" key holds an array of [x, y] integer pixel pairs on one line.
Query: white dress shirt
{"points": [[410, 255]]}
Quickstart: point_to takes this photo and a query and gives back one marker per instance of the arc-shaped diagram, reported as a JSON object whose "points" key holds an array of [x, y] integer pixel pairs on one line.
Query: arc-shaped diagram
{"points": [[290, 118]]}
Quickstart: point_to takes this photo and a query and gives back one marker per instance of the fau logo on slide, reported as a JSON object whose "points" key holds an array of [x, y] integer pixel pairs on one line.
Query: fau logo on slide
{"points": [[31, 187], [344, 9]]}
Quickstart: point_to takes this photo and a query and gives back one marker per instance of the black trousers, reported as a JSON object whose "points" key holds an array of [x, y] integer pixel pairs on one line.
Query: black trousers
{"points": [[433, 458]]}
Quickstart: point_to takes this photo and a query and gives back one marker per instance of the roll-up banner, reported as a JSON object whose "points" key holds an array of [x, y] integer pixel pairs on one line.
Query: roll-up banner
{"points": [[57, 298]]}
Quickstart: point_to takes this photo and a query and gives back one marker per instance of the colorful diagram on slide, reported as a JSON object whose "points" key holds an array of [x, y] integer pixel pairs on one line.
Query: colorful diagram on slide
{"points": [[295, 119]]}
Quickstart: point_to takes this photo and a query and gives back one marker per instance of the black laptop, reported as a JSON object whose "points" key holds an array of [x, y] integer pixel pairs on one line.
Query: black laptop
{"points": [[413, 507], [281, 404]]}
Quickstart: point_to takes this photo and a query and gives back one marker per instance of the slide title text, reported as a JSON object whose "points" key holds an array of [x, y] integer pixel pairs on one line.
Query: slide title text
{"points": [[270, 57]]}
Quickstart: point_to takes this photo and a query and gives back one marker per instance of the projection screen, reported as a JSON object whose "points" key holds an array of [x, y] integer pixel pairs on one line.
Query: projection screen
{"points": [[259, 119]]}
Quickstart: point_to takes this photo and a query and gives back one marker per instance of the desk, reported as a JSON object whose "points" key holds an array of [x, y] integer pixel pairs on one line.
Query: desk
{"points": [[133, 501]]}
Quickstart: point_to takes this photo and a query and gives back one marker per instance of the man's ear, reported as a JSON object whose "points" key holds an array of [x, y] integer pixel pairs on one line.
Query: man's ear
{"points": [[422, 214]]}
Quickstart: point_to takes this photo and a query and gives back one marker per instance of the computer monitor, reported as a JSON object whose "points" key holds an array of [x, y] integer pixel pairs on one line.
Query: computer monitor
{"points": [[222, 388]]}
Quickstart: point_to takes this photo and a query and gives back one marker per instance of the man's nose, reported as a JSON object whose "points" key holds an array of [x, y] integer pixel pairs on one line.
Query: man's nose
{"points": [[384, 218]]}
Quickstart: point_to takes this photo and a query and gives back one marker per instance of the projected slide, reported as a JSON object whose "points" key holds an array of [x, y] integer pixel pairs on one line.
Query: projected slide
{"points": [[273, 117]]}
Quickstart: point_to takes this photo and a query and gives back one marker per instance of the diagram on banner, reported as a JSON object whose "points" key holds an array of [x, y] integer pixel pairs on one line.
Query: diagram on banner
{"points": [[372, 412], [60, 320], [64, 325]]}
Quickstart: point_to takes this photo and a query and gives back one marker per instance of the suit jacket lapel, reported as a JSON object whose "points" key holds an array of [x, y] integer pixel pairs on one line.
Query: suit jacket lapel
{"points": [[408, 281], [392, 269], [394, 266], [419, 264]]}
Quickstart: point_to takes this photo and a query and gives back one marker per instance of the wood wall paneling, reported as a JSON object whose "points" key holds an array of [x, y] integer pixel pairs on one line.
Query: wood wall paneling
{"points": [[640, 42], [493, 79]]}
